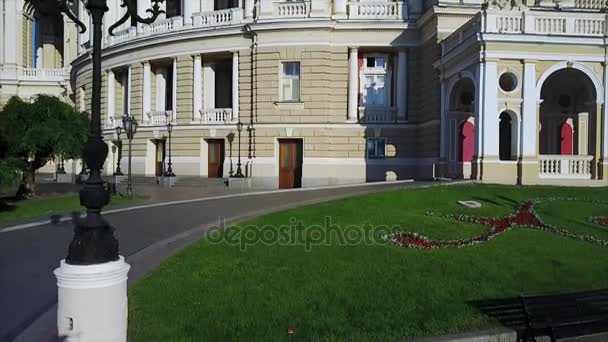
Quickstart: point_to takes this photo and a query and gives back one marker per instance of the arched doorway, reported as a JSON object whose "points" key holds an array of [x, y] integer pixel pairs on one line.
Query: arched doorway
{"points": [[565, 95], [504, 137], [461, 142]]}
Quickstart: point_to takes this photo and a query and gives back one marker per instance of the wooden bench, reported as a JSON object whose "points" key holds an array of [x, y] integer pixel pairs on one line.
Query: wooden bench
{"points": [[565, 315]]}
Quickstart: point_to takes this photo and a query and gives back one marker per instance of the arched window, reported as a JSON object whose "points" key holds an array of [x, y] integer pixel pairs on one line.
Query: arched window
{"points": [[505, 137], [467, 141]]}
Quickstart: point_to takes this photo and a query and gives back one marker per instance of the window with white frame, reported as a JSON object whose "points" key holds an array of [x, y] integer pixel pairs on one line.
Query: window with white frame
{"points": [[375, 85], [376, 148], [290, 81]]}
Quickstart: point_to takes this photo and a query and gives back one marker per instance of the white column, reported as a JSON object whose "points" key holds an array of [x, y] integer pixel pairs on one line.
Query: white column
{"points": [[161, 88], [605, 116], [490, 110], [249, 4], [529, 124], [235, 85], [197, 89], [111, 92], [443, 123], [582, 133], [353, 84], [174, 91], [2, 50], [402, 94], [339, 10], [10, 29], [128, 91], [206, 6], [147, 88], [479, 76], [208, 85], [188, 10]]}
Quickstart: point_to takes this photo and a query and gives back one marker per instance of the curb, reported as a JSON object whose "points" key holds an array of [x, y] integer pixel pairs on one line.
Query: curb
{"points": [[67, 217]]}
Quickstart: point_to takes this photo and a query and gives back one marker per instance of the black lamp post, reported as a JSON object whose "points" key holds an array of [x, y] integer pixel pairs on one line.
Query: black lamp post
{"points": [[118, 171], [230, 137], [169, 172], [130, 126], [94, 241], [239, 172], [251, 131]]}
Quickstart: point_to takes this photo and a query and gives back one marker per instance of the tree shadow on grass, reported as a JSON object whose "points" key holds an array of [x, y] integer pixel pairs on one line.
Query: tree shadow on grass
{"points": [[6, 204], [509, 312]]}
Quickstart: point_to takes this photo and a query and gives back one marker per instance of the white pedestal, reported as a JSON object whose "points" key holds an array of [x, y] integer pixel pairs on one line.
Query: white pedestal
{"points": [[92, 302]]}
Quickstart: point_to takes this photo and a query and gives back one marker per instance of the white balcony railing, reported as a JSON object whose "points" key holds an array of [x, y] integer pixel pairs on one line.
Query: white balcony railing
{"points": [[120, 36], [216, 116], [559, 23], [529, 22], [158, 118], [377, 115], [591, 4], [377, 9], [565, 167], [293, 9], [166, 25], [229, 16], [45, 74]]}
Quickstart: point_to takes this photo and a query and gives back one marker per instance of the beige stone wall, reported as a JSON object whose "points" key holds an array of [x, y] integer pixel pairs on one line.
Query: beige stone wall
{"points": [[136, 90], [185, 69], [323, 83]]}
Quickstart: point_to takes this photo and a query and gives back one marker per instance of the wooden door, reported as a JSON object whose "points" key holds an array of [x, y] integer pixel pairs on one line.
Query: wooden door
{"points": [[216, 158], [290, 164], [160, 157]]}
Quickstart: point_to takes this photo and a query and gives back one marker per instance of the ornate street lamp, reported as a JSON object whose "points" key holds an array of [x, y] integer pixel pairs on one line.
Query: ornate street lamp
{"points": [[118, 171], [93, 267], [169, 172], [130, 126], [239, 172], [230, 137]]}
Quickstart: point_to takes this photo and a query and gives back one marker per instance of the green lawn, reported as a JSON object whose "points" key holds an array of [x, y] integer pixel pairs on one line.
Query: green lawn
{"points": [[41, 208], [217, 290]]}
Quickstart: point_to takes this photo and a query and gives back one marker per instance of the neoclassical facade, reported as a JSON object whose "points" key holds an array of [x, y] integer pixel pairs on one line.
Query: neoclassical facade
{"points": [[349, 91], [35, 52]]}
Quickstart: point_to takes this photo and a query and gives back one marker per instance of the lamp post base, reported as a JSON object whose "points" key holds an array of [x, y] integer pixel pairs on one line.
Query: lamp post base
{"points": [[92, 301]]}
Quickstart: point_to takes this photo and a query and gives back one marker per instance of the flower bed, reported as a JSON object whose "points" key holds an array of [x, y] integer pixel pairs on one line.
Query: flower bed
{"points": [[525, 216], [601, 220]]}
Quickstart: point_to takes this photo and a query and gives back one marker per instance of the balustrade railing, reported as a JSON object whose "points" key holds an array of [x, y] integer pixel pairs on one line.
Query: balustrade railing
{"points": [[166, 25], [158, 118], [43, 73], [590, 4], [565, 166], [530, 22], [377, 9], [229, 16], [216, 116], [292, 9], [377, 115]]}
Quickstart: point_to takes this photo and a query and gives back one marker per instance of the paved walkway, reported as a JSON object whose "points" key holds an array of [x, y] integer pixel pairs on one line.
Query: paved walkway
{"points": [[148, 234]]}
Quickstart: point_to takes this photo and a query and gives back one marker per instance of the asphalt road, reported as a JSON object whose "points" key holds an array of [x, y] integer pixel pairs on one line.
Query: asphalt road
{"points": [[147, 236]]}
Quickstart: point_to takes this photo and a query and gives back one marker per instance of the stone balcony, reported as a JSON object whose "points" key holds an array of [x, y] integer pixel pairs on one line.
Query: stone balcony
{"points": [[44, 74], [265, 11]]}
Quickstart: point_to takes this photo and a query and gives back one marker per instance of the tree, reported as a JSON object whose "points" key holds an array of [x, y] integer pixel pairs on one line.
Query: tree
{"points": [[34, 133]]}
